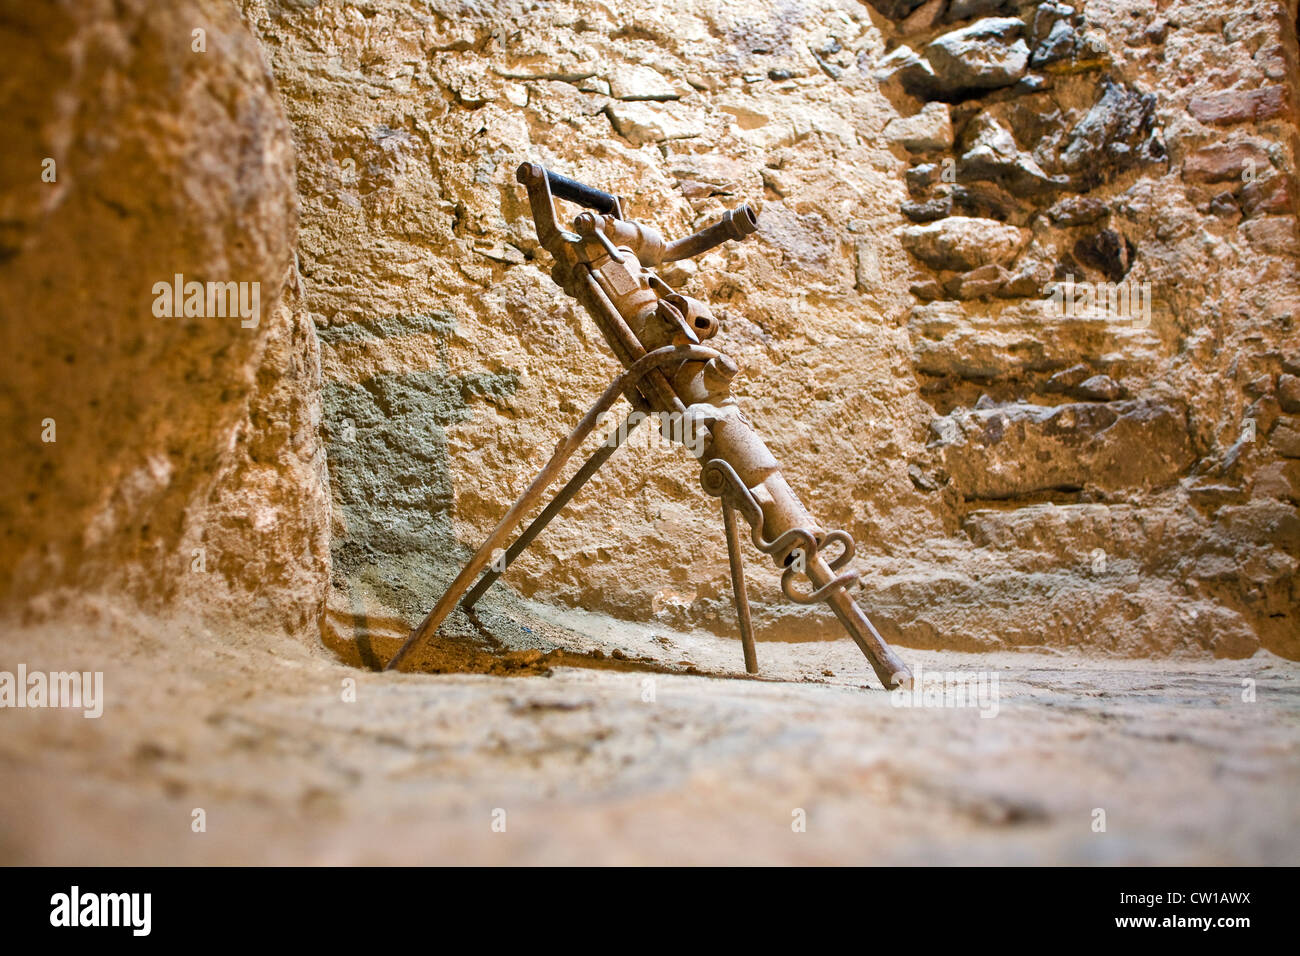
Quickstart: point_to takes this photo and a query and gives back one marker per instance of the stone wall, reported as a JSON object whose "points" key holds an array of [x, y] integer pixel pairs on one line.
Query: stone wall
{"points": [[1144, 159], [944, 185]]}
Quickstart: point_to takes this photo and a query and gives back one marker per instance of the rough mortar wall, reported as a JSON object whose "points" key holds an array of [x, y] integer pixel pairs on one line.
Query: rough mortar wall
{"points": [[1012, 477]]}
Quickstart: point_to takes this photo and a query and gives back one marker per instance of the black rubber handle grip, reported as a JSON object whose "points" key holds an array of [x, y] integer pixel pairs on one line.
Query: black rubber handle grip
{"points": [[565, 188]]}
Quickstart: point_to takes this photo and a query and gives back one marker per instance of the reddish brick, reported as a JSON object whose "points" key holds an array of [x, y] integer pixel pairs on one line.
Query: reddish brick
{"points": [[1276, 234], [1223, 161], [1288, 392], [1272, 196], [1238, 106]]}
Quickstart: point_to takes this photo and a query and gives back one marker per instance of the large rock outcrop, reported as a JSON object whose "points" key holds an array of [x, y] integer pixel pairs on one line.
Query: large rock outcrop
{"points": [[163, 451]]}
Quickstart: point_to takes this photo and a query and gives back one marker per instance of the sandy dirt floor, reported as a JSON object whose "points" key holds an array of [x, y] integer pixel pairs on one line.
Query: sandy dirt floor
{"points": [[624, 743]]}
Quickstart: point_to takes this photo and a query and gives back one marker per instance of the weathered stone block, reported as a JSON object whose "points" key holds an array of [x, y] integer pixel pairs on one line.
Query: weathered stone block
{"points": [[1020, 450], [961, 243], [983, 56]]}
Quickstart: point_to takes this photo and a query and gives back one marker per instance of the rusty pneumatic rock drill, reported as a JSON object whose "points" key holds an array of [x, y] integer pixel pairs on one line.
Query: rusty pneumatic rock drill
{"points": [[608, 264]]}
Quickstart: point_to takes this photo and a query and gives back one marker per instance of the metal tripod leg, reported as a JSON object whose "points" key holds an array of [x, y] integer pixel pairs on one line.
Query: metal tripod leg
{"points": [[533, 493], [738, 586], [611, 445]]}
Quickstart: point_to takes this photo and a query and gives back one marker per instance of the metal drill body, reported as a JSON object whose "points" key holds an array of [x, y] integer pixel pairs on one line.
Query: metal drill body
{"points": [[608, 264]]}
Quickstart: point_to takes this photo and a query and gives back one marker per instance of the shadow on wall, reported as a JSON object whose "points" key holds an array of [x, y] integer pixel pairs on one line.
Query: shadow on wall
{"points": [[391, 476]]}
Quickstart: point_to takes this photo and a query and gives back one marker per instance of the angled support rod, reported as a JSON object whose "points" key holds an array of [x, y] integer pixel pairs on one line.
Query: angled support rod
{"points": [[558, 503], [532, 494], [738, 592]]}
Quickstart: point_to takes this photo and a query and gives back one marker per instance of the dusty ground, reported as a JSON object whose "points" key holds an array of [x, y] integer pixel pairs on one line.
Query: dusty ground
{"points": [[586, 769]]}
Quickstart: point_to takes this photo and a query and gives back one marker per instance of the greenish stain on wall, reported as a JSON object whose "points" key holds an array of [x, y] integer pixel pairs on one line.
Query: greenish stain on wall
{"points": [[390, 471]]}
